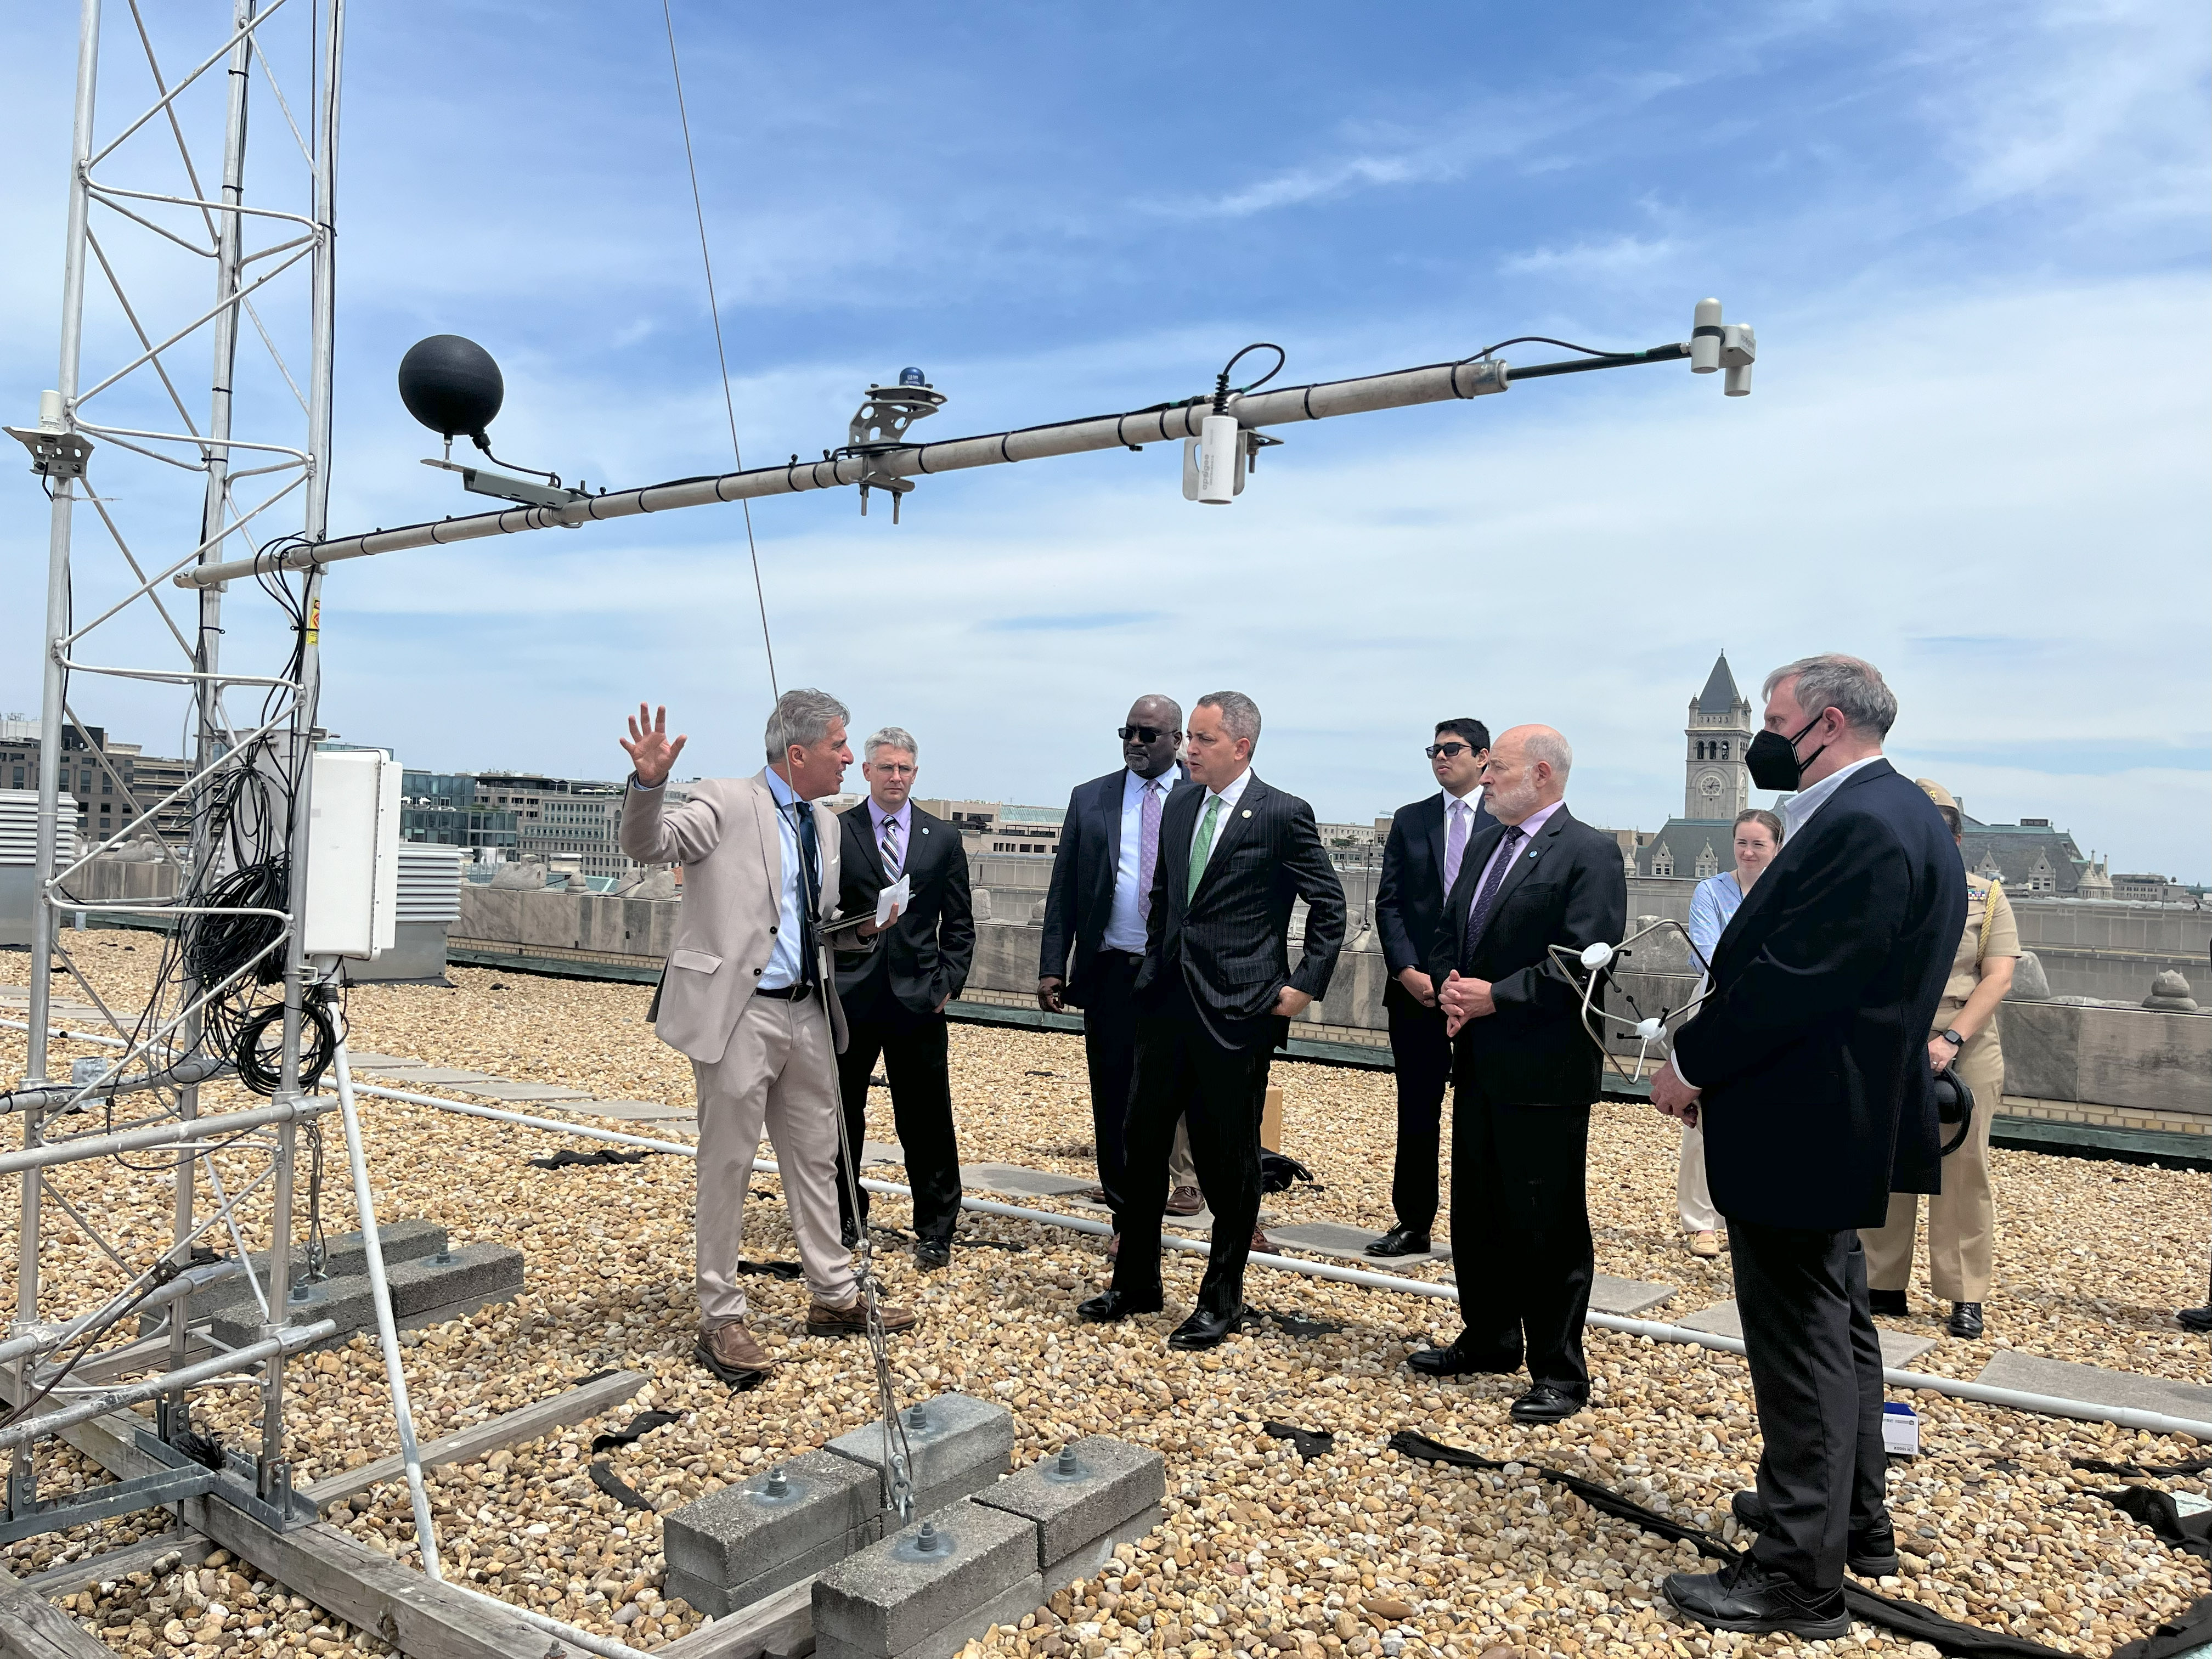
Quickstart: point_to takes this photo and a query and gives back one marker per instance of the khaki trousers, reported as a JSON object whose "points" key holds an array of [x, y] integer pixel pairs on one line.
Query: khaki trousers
{"points": [[1961, 1218], [1693, 1199], [778, 1073]]}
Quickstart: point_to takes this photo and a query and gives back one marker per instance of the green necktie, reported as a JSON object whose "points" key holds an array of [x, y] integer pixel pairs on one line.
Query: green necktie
{"points": [[1200, 854]]}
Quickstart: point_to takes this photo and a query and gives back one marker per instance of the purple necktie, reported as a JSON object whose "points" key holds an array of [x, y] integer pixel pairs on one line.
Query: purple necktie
{"points": [[1488, 896], [1454, 843], [1148, 850]]}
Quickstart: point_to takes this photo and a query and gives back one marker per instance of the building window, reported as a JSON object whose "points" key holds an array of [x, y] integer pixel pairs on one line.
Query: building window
{"points": [[1663, 863]]}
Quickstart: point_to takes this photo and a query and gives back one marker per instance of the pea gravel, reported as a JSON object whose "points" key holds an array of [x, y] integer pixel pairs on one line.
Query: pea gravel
{"points": [[1358, 1552]]}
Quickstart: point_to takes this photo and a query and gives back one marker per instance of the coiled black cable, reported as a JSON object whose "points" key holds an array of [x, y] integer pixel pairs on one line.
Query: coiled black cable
{"points": [[260, 1069]]}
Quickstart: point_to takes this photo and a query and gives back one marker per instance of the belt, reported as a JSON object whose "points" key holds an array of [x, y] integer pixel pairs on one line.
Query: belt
{"points": [[786, 993]]}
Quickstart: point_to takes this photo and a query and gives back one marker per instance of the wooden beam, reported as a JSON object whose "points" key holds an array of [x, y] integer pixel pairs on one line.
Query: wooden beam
{"points": [[783, 1625], [89, 1571], [508, 1429], [32, 1627]]}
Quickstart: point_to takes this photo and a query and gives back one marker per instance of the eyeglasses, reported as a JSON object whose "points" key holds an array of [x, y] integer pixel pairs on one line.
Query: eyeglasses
{"points": [[1142, 733], [1447, 749]]}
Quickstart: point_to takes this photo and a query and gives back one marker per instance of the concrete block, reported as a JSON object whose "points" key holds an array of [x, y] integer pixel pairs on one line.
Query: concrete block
{"points": [[424, 1291], [1349, 1243], [1028, 1183], [347, 1258], [1627, 1297], [2128, 1390], [1898, 1350], [886, 1603], [963, 1445], [1089, 1561], [1112, 1481], [741, 1535], [719, 1601]]}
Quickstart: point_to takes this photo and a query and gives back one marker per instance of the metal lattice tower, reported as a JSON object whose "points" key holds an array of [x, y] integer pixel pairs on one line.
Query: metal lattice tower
{"points": [[158, 202]]}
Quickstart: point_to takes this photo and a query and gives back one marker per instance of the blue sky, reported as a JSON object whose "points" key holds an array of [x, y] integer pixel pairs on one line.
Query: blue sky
{"points": [[1973, 238]]}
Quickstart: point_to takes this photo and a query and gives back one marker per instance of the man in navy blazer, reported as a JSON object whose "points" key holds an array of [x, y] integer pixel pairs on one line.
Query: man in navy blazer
{"points": [[1807, 1068], [1094, 930], [1427, 844]]}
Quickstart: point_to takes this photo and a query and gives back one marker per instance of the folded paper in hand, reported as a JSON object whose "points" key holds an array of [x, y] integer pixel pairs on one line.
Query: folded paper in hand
{"points": [[896, 894]]}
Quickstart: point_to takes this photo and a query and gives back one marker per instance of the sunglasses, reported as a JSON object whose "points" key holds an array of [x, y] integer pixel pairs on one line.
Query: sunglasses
{"points": [[1447, 749], [1142, 733]]}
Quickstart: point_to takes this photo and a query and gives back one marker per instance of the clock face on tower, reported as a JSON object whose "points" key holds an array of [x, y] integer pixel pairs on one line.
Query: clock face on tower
{"points": [[1710, 787]]}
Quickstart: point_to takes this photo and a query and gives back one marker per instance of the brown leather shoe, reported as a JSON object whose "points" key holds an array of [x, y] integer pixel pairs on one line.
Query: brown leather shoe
{"points": [[852, 1319], [732, 1347], [1185, 1200], [1261, 1242]]}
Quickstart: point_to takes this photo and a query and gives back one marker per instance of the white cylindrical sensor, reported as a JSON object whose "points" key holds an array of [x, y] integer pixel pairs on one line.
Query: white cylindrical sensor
{"points": [[1737, 381], [1706, 337], [1220, 453], [1739, 350], [50, 412], [1596, 955]]}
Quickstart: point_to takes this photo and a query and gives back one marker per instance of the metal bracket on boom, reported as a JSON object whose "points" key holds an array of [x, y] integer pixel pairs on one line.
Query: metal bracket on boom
{"points": [[53, 454], [482, 481], [879, 428]]}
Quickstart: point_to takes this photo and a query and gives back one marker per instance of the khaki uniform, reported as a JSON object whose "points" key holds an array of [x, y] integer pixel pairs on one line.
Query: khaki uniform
{"points": [[1961, 1217]]}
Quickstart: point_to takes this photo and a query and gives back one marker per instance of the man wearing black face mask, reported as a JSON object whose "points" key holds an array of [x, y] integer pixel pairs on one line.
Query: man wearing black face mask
{"points": [[1807, 1067]]}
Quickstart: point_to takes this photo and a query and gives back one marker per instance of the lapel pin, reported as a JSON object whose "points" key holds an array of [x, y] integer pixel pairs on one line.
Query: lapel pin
{"points": [[925, 829], [1248, 811]]}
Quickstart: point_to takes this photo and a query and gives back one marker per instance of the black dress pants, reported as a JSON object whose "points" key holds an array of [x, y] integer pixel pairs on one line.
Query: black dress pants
{"points": [[1422, 1056], [1522, 1253], [1815, 1364], [913, 1047], [1109, 1051], [1184, 1071]]}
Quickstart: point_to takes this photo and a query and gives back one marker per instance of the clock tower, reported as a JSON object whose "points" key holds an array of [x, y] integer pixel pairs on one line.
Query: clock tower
{"points": [[1718, 783]]}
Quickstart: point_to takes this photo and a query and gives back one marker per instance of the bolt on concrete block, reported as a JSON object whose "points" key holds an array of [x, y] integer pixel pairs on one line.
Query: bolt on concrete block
{"points": [[1111, 1482], [742, 1534], [888, 1599], [960, 1446]]}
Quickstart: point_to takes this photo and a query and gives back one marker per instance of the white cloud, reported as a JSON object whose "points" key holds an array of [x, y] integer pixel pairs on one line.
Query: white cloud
{"points": [[1592, 261]]}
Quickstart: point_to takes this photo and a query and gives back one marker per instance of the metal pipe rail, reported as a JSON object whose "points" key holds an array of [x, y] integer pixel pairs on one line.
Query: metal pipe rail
{"points": [[108, 1400], [160, 1136], [199, 1069], [190, 1282], [1435, 383]]}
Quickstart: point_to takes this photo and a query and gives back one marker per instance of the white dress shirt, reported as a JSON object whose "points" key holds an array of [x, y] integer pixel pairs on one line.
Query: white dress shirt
{"points": [[783, 969], [1125, 925]]}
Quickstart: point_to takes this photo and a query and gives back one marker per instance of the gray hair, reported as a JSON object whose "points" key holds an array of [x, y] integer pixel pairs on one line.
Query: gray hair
{"points": [[1853, 687], [1552, 750], [1240, 715], [889, 737], [803, 717]]}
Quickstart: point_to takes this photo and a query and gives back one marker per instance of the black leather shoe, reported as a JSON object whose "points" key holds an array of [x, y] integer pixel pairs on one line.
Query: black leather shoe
{"points": [[1871, 1553], [1743, 1597], [1966, 1319], [1401, 1240], [1452, 1360], [1107, 1306], [1204, 1329], [1545, 1404], [1890, 1305], [930, 1254]]}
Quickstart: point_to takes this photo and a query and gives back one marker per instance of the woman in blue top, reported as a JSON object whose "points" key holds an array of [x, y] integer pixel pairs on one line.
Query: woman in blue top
{"points": [[1758, 839]]}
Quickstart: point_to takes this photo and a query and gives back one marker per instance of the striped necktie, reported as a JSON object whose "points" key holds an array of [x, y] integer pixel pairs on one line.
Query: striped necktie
{"points": [[888, 846], [1204, 848]]}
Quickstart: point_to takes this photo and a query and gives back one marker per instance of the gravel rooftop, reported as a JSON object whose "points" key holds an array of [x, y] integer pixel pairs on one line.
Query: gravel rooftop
{"points": [[1356, 1552]]}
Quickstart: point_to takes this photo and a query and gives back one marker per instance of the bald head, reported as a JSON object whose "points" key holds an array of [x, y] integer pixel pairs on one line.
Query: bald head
{"points": [[1527, 772]]}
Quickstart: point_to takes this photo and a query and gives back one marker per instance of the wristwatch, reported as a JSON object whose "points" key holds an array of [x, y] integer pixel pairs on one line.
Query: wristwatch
{"points": [[1949, 1033]]}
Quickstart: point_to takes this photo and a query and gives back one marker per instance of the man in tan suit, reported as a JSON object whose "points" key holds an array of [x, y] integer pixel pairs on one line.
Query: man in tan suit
{"points": [[748, 998]]}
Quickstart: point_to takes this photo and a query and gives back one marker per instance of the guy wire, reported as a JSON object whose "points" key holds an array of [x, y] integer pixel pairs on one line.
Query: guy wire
{"points": [[715, 314]]}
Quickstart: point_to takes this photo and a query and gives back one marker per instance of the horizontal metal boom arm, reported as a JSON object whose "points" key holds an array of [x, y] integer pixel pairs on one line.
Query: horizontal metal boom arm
{"points": [[1436, 383]]}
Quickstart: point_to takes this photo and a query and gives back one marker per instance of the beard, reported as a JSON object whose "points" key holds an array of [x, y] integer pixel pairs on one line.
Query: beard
{"points": [[1511, 806]]}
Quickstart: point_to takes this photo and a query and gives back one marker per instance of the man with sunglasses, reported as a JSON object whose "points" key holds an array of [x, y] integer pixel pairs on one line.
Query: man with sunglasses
{"points": [[1421, 859], [1094, 930]]}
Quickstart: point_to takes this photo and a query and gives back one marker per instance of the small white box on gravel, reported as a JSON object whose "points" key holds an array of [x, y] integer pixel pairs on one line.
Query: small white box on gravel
{"points": [[744, 1543], [929, 1588], [1900, 1429], [1092, 1495], [956, 1444]]}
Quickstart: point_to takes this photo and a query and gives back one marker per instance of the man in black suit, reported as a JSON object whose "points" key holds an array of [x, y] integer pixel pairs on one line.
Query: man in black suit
{"points": [[895, 993], [1215, 995], [1421, 860], [1807, 1068], [1094, 930], [1524, 1074]]}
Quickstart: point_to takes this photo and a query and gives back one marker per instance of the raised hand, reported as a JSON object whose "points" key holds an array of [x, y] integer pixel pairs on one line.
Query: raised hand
{"points": [[652, 755]]}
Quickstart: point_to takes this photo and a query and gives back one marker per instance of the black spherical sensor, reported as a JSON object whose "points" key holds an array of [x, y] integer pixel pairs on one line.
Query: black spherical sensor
{"points": [[451, 385]]}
